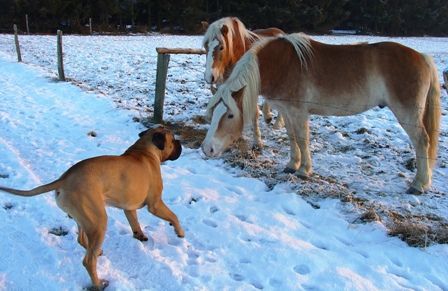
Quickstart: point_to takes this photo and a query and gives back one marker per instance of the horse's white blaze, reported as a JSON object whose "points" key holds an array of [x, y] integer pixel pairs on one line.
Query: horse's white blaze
{"points": [[209, 72], [213, 146]]}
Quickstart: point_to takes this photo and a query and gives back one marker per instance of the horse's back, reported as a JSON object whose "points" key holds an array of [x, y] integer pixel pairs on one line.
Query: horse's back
{"points": [[357, 76], [268, 32]]}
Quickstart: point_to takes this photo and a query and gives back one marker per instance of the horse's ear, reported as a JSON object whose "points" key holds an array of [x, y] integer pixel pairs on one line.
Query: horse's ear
{"points": [[158, 139], [224, 29], [204, 25]]}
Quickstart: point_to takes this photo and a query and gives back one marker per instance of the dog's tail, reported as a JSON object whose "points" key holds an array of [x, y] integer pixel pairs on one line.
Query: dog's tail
{"points": [[36, 191]]}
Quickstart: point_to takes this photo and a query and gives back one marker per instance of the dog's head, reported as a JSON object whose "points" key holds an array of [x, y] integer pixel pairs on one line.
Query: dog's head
{"points": [[164, 140]]}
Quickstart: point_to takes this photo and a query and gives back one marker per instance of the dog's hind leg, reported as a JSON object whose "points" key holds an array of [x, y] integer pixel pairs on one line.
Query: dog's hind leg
{"points": [[94, 226], [160, 210], [131, 215], [83, 241], [82, 238]]}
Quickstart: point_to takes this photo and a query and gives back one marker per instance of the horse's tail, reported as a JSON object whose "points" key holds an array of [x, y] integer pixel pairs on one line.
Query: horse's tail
{"points": [[36, 191], [431, 117]]}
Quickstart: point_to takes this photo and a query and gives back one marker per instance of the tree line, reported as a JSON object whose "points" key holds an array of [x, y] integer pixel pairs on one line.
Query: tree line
{"points": [[386, 17]]}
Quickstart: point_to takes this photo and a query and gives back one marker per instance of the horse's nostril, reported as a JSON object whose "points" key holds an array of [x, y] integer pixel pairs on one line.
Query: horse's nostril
{"points": [[211, 150], [213, 79]]}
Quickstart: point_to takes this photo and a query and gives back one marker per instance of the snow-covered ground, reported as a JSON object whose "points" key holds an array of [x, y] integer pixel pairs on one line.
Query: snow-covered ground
{"points": [[241, 233]]}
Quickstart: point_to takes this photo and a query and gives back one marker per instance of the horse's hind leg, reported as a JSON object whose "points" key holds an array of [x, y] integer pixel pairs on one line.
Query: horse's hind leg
{"points": [[279, 122], [413, 125], [302, 131], [294, 161]]}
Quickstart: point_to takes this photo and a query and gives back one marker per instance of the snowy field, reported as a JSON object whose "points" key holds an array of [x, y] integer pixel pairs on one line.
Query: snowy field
{"points": [[242, 233]]}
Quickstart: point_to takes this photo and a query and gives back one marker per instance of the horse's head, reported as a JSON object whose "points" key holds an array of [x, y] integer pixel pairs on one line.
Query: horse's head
{"points": [[225, 41], [218, 55], [226, 123]]}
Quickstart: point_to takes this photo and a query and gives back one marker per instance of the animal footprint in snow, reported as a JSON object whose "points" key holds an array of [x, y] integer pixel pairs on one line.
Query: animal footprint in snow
{"points": [[214, 209], [245, 261], [237, 277], [242, 218], [192, 257], [235, 190], [258, 285], [302, 269], [210, 223], [289, 211]]}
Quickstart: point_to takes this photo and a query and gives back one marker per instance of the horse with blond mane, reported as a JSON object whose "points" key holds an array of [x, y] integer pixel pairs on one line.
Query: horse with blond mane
{"points": [[225, 41], [300, 77]]}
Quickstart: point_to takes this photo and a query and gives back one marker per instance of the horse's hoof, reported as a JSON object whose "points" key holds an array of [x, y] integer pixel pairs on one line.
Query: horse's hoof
{"points": [[414, 191], [288, 170], [302, 176], [257, 148]]}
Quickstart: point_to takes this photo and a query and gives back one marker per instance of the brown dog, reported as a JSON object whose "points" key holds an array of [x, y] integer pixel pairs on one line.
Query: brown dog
{"points": [[129, 182]]}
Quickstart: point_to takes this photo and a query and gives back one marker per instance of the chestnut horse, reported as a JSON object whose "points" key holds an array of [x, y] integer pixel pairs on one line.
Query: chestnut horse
{"points": [[300, 76], [225, 41]]}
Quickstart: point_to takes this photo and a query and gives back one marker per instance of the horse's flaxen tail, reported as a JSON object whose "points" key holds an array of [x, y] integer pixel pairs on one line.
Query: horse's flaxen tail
{"points": [[432, 114], [36, 191]]}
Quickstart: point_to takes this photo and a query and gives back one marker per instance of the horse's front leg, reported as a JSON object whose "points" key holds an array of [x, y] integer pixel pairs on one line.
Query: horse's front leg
{"points": [[279, 123], [294, 156], [266, 109], [257, 142], [302, 132]]}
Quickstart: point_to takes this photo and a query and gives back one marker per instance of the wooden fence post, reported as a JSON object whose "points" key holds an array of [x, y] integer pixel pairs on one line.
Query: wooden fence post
{"points": [[90, 25], [27, 25], [162, 70], [16, 40], [60, 57], [163, 58]]}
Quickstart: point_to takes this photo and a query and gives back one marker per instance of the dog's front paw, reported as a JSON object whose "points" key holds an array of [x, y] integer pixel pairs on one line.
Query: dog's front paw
{"points": [[180, 232], [140, 236], [103, 284]]}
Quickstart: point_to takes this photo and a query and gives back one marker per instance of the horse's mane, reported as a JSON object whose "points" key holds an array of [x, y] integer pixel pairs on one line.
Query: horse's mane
{"points": [[246, 74], [214, 32], [302, 45]]}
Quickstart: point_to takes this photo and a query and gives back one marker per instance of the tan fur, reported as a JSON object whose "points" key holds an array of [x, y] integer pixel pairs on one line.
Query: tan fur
{"points": [[300, 76], [130, 181], [433, 112]]}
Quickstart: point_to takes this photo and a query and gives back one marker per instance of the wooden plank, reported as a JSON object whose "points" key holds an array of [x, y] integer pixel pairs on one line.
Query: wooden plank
{"points": [[162, 70], [60, 57], [186, 51], [16, 40]]}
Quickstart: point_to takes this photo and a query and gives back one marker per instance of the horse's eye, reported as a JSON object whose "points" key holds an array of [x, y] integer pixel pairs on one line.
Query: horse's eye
{"points": [[230, 116], [221, 47]]}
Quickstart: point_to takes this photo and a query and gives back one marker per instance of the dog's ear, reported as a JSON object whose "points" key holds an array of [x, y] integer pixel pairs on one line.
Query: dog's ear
{"points": [[143, 133], [158, 139]]}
